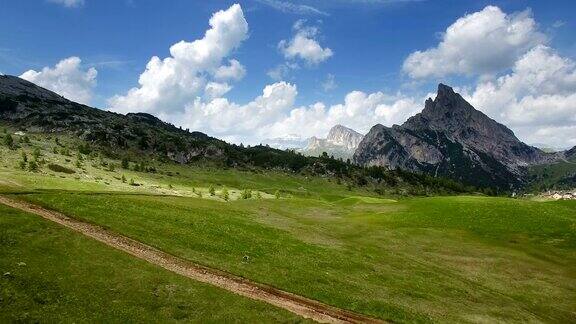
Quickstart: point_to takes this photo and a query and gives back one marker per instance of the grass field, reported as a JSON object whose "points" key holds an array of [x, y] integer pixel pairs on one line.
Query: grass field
{"points": [[51, 274], [428, 259]]}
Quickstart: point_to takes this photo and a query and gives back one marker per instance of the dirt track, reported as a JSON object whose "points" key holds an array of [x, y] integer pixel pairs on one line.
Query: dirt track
{"points": [[302, 306]]}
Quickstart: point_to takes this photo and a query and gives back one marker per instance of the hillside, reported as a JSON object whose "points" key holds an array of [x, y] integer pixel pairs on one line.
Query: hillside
{"points": [[451, 138], [142, 138]]}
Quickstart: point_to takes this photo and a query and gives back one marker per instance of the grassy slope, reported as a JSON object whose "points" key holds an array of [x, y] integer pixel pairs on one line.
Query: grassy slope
{"points": [[51, 274], [439, 259], [444, 258]]}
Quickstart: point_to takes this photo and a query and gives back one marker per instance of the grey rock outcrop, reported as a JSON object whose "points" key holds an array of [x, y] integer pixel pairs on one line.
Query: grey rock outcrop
{"points": [[341, 142], [452, 139]]}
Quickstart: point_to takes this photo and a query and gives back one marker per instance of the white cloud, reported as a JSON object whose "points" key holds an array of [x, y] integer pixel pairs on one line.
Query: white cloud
{"points": [[169, 84], [69, 3], [536, 99], [216, 90], [288, 7], [67, 78], [235, 71], [481, 43], [273, 114], [282, 71], [304, 45], [330, 83]]}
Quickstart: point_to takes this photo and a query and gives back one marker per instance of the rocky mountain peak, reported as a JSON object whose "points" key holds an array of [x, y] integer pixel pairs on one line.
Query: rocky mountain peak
{"points": [[344, 136], [452, 138]]}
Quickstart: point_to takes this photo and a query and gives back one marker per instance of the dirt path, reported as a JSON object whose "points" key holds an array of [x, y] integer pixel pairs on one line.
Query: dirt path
{"points": [[302, 306]]}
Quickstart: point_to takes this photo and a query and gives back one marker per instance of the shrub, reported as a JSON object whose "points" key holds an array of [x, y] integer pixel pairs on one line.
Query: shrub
{"points": [[211, 190], [125, 163], [123, 179], [277, 194], [22, 165], [246, 194], [9, 141], [36, 153], [84, 149], [258, 195], [58, 168], [225, 195], [32, 166], [24, 157], [132, 182]]}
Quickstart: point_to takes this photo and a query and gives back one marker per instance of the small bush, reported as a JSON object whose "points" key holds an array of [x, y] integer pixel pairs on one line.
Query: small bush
{"points": [[123, 179], [58, 168], [225, 195], [9, 141], [36, 154], [277, 194], [211, 190], [32, 166], [125, 164], [246, 194]]}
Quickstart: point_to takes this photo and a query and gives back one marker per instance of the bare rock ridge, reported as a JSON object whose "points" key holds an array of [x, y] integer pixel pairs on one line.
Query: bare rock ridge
{"points": [[341, 142], [451, 138]]}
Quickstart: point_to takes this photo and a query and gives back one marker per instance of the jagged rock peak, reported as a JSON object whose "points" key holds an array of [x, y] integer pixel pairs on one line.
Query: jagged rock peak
{"points": [[344, 136]]}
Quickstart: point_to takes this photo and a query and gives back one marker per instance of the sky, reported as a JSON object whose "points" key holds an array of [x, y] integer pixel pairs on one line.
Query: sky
{"points": [[248, 71]]}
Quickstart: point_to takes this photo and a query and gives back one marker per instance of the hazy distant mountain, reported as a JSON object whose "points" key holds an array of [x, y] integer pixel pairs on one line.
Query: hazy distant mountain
{"points": [[341, 143], [291, 141], [549, 148], [451, 138]]}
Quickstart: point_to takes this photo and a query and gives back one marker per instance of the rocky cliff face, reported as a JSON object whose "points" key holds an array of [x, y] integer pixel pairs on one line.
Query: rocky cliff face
{"points": [[571, 153], [345, 137], [450, 138], [341, 142]]}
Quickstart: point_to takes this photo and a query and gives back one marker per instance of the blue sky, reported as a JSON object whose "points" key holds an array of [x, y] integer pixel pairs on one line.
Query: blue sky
{"points": [[369, 43]]}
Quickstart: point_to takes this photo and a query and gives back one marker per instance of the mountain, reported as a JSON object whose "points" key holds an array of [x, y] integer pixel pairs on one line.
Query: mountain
{"points": [[288, 142], [571, 153], [451, 138], [341, 142], [143, 138]]}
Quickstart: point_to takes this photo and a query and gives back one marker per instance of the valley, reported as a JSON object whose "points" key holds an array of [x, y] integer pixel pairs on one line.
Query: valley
{"points": [[349, 241], [396, 257]]}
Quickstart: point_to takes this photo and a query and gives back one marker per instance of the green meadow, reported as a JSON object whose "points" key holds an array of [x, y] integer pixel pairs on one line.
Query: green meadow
{"points": [[51, 274], [393, 257]]}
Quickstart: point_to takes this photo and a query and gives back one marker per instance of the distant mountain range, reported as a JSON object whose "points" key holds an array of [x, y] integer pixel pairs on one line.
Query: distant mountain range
{"points": [[451, 138], [341, 142], [143, 138]]}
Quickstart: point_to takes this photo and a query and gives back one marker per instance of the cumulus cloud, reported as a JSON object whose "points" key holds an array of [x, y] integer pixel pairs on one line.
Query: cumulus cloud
{"points": [[481, 43], [170, 83], [216, 90], [235, 71], [69, 3], [273, 114], [67, 78], [304, 45], [536, 98]]}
